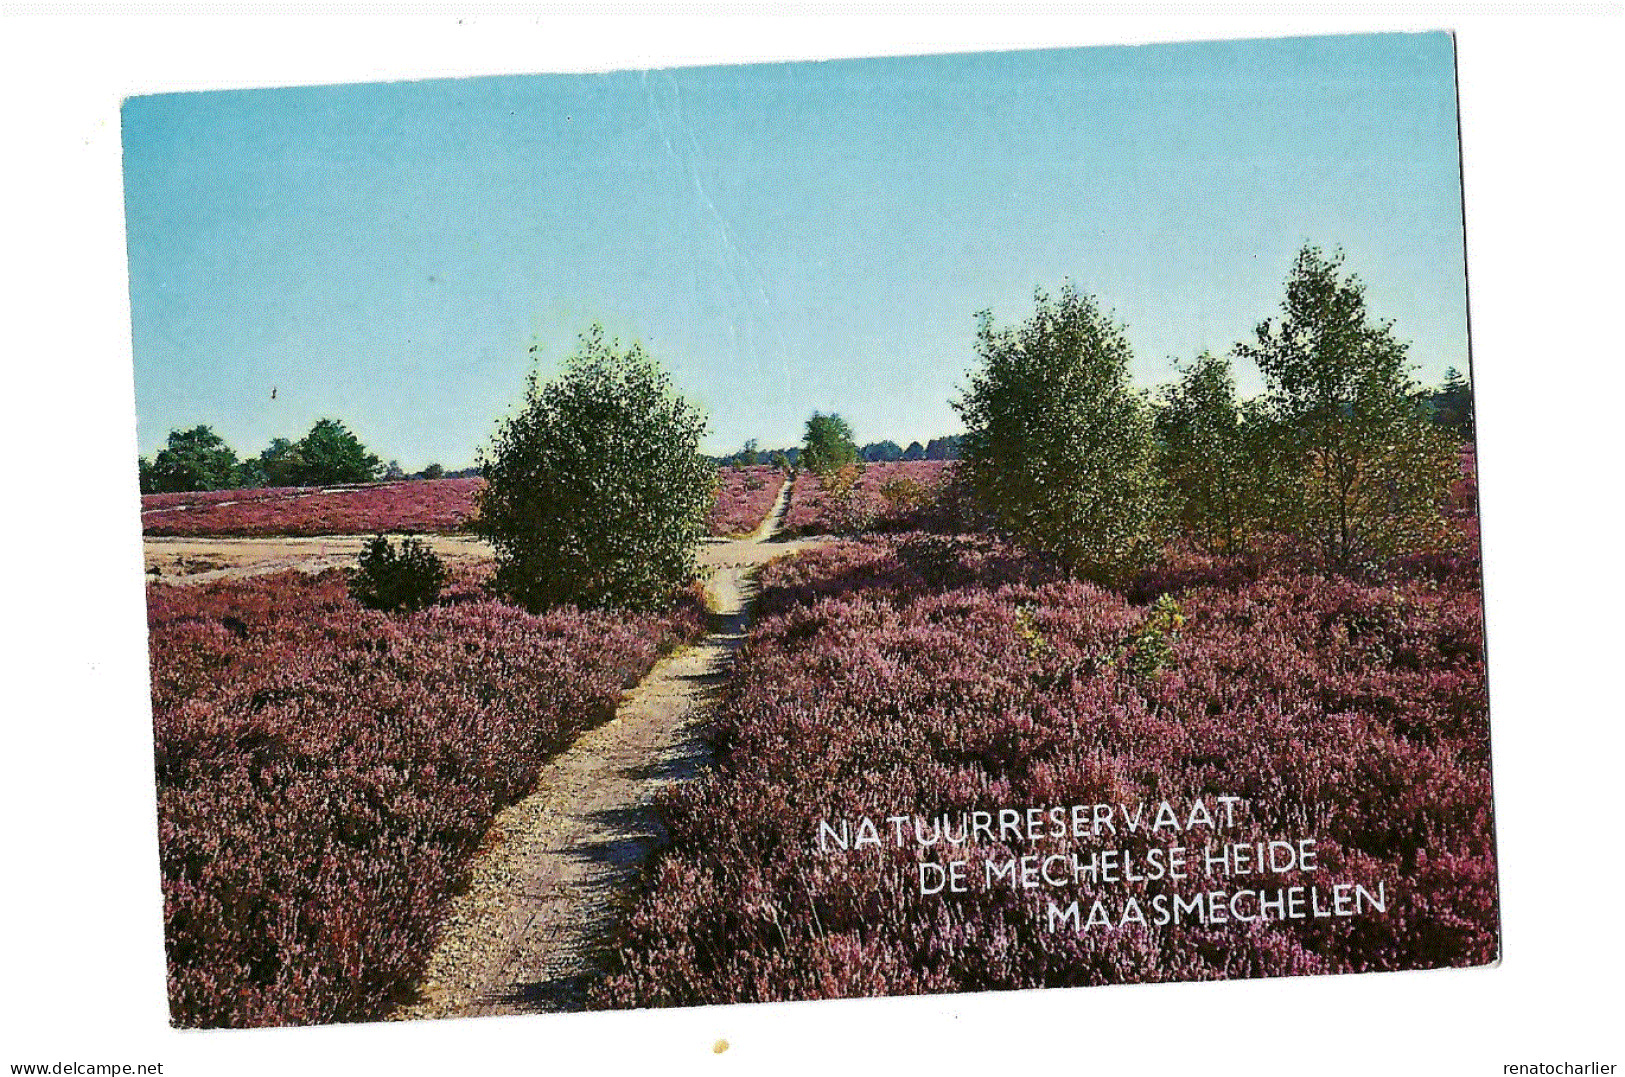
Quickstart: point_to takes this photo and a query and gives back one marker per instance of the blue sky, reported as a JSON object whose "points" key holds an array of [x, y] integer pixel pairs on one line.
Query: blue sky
{"points": [[784, 237]]}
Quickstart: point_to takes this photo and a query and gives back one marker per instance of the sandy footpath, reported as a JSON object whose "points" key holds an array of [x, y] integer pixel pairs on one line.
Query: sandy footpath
{"points": [[561, 866]]}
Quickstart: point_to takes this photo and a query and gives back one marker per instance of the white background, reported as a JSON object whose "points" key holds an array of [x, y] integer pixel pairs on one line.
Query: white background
{"points": [[82, 959]]}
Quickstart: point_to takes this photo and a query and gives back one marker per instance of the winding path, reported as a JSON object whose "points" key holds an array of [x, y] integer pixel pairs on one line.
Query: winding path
{"points": [[561, 866]]}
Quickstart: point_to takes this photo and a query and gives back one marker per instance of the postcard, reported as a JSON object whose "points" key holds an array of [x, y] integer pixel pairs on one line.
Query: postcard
{"points": [[811, 530]]}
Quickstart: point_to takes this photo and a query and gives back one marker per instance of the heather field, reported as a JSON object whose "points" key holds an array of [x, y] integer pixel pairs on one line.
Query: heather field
{"points": [[744, 496], [326, 773], [431, 505], [893, 496], [936, 677]]}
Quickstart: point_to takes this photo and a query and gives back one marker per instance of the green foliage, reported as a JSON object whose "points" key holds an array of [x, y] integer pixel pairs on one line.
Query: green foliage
{"points": [[195, 459], [1057, 447], [902, 494], [1032, 637], [1452, 404], [1354, 468], [390, 579], [880, 452], [1206, 466], [1152, 645], [330, 455], [250, 473], [280, 463], [433, 471], [596, 494], [840, 487], [828, 446]]}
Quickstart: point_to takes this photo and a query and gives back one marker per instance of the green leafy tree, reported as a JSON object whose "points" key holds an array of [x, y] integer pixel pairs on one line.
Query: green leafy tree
{"points": [[1206, 465], [828, 446], [250, 472], [280, 463], [596, 494], [330, 454], [433, 471], [1058, 446], [195, 459], [1356, 469]]}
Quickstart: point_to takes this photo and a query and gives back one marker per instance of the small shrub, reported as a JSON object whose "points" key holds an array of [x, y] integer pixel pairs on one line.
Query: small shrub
{"points": [[934, 558], [902, 495], [840, 487], [389, 579], [1153, 645], [1032, 638]]}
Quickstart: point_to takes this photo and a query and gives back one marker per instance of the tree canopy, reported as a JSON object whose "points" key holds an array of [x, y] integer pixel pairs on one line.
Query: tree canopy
{"points": [[195, 459], [330, 455], [1453, 404], [1205, 458], [828, 445], [596, 494], [1355, 468], [1057, 446]]}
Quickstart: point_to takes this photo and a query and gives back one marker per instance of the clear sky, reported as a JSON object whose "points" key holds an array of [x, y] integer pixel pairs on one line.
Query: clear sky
{"points": [[783, 237]]}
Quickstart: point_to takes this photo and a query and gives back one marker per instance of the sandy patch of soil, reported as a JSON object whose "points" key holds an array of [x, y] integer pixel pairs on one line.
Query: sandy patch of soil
{"points": [[203, 560]]}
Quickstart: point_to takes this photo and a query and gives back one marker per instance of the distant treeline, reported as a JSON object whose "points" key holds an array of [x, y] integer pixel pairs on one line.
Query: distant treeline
{"points": [[328, 455], [876, 452], [1449, 406]]}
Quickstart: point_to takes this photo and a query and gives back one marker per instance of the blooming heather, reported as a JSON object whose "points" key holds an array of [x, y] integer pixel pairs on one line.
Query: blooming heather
{"points": [[892, 496], [745, 495], [934, 676], [433, 505], [325, 774]]}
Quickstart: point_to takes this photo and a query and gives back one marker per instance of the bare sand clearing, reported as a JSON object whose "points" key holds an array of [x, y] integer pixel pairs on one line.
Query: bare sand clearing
{"points": [[204, 560]]}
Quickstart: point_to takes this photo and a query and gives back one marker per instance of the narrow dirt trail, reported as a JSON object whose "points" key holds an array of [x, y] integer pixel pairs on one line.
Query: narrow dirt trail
{"points": [[561, 866]]}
